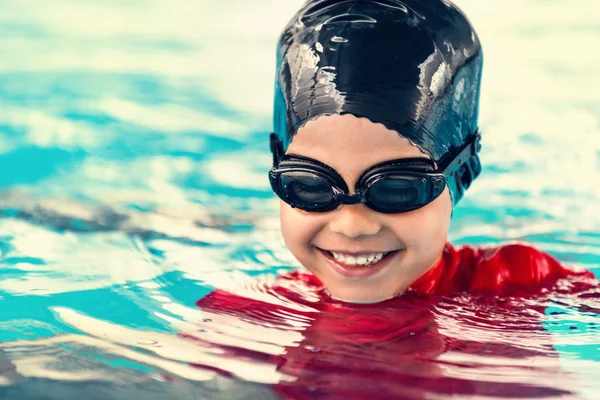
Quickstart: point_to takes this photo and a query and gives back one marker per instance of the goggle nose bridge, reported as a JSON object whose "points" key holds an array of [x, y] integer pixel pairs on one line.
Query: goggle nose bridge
{"points": [[343, 198]]}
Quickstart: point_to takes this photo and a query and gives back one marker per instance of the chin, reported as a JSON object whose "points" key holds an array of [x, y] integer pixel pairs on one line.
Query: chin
{"points": [[359, 296]]}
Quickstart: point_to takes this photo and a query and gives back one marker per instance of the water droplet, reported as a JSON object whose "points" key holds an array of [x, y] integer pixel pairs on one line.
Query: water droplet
{"points": [[337, 39], [207, 320]]}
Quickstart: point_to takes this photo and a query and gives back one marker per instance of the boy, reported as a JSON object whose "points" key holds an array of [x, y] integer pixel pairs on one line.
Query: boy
{"points": [[376, 140]]}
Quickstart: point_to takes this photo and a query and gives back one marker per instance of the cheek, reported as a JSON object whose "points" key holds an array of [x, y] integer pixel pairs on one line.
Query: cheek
{"points": [[299, 228], [425, 230]]}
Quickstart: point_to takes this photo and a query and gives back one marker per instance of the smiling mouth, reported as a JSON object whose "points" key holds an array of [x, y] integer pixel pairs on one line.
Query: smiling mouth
{"points": [[359, 260], [359, 265]]}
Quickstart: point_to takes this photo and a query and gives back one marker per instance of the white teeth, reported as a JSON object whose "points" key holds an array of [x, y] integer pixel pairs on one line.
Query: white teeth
{"points": [[362, 260]]}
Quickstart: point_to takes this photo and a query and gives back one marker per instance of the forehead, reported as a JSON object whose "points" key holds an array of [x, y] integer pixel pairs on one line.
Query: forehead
{"points": [[350, 144]]}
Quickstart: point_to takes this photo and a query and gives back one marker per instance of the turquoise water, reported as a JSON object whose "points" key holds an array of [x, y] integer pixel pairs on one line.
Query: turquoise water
{"points": [[134, 157]]}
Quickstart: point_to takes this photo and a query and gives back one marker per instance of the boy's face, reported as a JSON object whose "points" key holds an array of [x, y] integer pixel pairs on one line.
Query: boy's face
{"points": [[415, 239]]}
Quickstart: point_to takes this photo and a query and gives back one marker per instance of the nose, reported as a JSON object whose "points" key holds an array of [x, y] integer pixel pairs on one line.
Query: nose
{"points": [[354, 221]]}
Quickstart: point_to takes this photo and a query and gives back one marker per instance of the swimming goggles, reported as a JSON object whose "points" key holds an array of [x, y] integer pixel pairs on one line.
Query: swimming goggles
{"points": [[390, 187]]}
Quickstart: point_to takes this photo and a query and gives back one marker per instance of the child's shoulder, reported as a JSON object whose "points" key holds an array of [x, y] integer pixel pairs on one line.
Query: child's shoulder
{"points": [[511, 265]]}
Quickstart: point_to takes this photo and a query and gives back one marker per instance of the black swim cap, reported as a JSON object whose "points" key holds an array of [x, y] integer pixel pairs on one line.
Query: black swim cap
{"points": [[412, 65]]}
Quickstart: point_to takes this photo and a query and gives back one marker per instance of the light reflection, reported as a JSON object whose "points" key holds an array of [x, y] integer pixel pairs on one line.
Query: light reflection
{"points": [[36, 367], [170, 118], [164, 351], [45, 129]]}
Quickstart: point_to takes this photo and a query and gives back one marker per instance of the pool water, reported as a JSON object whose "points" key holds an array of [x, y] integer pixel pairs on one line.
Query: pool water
{"points": [[133, 145]]}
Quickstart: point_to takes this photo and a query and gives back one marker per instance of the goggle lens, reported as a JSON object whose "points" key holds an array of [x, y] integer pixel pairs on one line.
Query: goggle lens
{"points": [[306, 190], [397, 193]]}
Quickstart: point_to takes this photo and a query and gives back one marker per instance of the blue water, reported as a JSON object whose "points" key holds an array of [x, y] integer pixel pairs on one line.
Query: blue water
{"points": [[134, 158]]}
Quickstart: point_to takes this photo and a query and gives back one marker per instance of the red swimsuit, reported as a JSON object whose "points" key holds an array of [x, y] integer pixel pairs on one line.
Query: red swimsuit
{"points": [[496, 269], [418, 344]]}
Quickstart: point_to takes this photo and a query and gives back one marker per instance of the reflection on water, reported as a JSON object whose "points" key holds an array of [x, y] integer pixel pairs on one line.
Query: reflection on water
{"points": [[133, 146], [286, 338]]}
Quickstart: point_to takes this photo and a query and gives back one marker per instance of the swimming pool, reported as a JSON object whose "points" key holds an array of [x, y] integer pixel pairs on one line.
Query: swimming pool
{"points": [[133, 145]]}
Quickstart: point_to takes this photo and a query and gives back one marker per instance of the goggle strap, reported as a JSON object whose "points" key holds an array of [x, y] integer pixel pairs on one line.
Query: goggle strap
{"points": [[464, 154], [276, 149]]}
